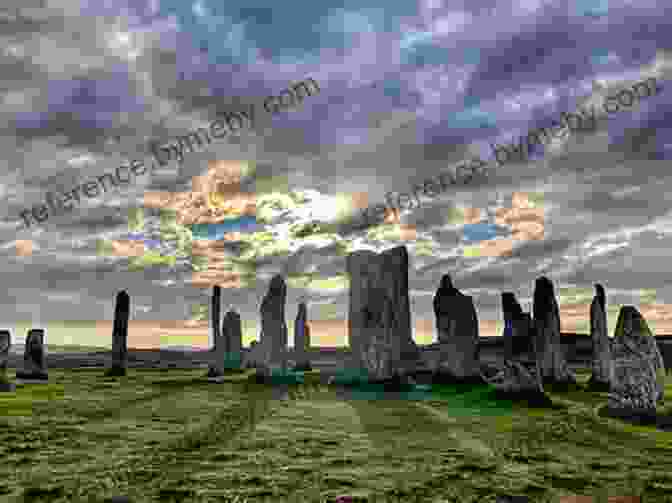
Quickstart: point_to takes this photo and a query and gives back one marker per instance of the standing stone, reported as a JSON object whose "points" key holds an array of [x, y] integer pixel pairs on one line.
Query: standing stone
{"points": [[638, 376], [232, 333], [216, 367], [386, 273], [301, 339], [122, 312], [272, 353], [603, 365], [518, 331], [457, 327], [5, 344], [34, 357], [381, 354], [548, 347]]}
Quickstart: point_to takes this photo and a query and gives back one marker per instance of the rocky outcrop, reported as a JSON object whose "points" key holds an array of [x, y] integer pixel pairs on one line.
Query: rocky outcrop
{"points": [[638, 377], [122, 312], [548, 347], [34, 357], [215, 313], [457, 327], [387, 275], [5, 344], [602, 362], [301, 339]]}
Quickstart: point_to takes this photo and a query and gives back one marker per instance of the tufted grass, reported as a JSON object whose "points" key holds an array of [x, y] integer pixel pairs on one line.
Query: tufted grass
{"points": [[166, 435]]}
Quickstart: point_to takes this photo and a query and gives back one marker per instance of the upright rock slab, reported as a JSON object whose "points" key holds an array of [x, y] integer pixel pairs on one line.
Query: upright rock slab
{"points": [[122, 312], [216, 367], [382, 351], [457, 327], [548, 347], [232, 333], [602, 362], [301, 339], [385, 273], [638, 378], [518, 330], [5, 344], [273, 326], [34, 358]]}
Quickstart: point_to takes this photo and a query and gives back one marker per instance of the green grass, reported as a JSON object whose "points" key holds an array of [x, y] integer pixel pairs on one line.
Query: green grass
{"points": [[160, 435]]}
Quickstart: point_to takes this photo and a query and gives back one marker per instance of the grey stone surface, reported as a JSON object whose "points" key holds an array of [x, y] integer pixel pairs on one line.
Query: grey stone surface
{"points": [[548, 347], [34, 357], [5, 344], [272, 353], [457, 327], [382, 350], [301, 338], [638, 377], [216, 368], [518, 330], [232, 330], [602, 361], [122, 312], [385, 272]]}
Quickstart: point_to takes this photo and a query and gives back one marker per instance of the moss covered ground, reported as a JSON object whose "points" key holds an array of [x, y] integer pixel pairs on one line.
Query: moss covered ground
{"points": [[166, 435]]}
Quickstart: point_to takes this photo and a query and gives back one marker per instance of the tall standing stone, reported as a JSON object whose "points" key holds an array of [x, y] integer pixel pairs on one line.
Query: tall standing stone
{"points": [[232, 333], [122, 311], [272, 353], [518, 330], [34, 357], [602, 364], [548, 347], [5, 344], [216, 367], [385, 273], [457, 327], [301, 338], [639, 376]]}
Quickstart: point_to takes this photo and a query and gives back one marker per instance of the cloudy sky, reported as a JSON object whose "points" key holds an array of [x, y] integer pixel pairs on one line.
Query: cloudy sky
{"points": [[407, 89]]}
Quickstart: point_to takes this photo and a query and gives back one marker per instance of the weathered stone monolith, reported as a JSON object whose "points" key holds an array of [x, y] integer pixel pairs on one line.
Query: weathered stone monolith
{"points": [[457, 327], [272, 353], [34, 358], [385, 273], [122, 311], [5, 344], [232, 332], [602, 362], [639, 375], [518, 331], [301, 339], [548, 347], [216, 367]]}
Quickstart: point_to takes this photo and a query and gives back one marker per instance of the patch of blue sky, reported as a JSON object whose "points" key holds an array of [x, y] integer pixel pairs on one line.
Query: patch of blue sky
{"points": [[218, 230], [600, 56], [425, 55], [482, 231], [472, 117], [272, 26], [472, 56], [592, 8]]}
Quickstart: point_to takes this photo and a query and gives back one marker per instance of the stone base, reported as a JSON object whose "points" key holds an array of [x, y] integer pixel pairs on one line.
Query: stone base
{"points": [[7, 387], [217, 379], [115, 372], [445, 377], [630, 415], [303, 367], [32, 376], [597, 386]]}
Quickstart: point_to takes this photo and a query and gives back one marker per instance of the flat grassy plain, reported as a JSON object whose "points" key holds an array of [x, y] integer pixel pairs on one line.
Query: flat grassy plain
{"points": [[168, 436]]}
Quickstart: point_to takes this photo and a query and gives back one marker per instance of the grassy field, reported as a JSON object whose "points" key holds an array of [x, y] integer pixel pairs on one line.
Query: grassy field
{"points": [[166, 436]]}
